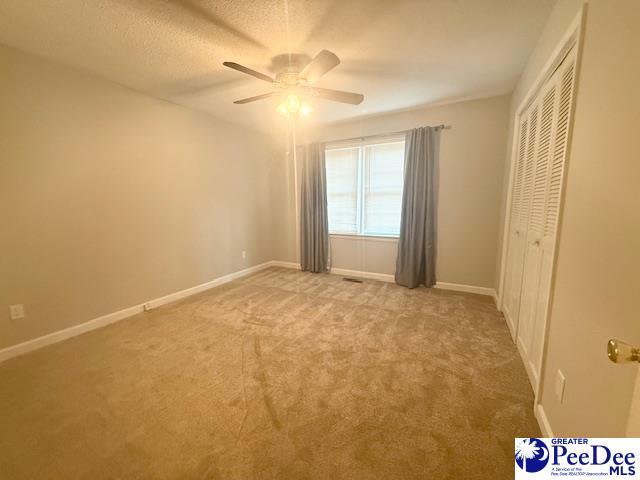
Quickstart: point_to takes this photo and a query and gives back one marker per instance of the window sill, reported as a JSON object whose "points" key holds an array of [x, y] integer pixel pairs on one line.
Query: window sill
{"points": [[374, 238]]}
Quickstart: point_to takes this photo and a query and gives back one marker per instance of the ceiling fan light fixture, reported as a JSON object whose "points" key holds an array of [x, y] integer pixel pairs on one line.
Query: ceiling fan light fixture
{"points": [[292, 105], [292, 102], [282, 110], [305, 109], [291, 82]]}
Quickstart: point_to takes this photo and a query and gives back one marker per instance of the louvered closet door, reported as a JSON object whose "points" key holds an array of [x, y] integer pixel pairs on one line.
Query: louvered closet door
{"points": [[512, 291], [554, 103], [519, 214]]}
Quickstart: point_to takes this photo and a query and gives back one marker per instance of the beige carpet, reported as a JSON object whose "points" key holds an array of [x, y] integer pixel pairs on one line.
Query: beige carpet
{"points": [[281, 375]]}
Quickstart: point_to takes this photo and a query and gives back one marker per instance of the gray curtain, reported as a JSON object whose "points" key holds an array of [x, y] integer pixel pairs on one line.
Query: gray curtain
{"points": [[314, 222], [415, 264]]}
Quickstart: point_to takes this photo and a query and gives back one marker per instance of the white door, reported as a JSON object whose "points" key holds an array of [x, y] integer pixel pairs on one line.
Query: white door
{"points": [[555, 102], [633, 424], [623, 353], [533, 237], [519, 217]]}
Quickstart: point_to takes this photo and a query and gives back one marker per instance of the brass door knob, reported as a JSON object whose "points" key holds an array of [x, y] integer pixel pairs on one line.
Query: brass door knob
{"points": [[621, 352]]}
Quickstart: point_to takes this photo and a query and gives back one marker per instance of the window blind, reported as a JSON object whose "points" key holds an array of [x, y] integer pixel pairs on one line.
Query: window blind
{"points": [[342, 189], [384, 169], [364, 187]]}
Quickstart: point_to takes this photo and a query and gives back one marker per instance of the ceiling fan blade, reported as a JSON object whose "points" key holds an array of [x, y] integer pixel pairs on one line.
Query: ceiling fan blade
{"points": [[257, 97], [248, 71], [321, 64], [338, 96]]}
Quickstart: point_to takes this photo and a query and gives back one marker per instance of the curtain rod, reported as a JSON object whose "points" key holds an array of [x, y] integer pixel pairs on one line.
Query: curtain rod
{"points": [[442, 126]]}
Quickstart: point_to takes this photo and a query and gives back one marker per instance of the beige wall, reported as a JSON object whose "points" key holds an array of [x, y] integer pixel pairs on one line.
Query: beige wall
{"points": [[561, 17], [471, 166], [109, 198], [283, 201], [633, 423], [596, 291], [596, 285], [377, 255]]}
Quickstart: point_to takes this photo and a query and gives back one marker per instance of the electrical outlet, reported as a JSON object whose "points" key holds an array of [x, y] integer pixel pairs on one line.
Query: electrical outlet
{"points": [[244, 254], [560, 382], [16, 311]]}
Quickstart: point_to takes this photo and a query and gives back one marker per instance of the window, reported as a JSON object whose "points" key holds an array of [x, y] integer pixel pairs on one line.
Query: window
{"points": [[364, 187]]}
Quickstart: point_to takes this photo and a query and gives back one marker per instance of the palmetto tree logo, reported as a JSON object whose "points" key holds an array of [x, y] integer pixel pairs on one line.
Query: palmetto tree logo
{"points": [[532, 455]]}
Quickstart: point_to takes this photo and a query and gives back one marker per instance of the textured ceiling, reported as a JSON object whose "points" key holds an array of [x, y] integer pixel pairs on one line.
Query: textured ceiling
{"points": [[399, 54]]}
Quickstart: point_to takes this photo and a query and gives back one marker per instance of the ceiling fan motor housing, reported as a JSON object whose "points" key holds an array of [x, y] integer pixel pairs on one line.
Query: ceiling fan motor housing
{"points": [[289, 79], [296, 81]]}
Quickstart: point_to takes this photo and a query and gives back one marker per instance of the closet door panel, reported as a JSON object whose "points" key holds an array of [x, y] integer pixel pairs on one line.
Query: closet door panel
{"points": [[556, 101], [540, 314], [514, 253], [528, 185], [564, 86], [533, 251], [520, 217]]}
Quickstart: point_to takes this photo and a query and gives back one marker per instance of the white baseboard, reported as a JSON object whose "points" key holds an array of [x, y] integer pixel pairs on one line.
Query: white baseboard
{"points": [[381, 277], [36, 343], [510, 325], [60, 335], [529, 367], [280, 263], [543, 421], [172, 297], [386, 277], [459, 287]]}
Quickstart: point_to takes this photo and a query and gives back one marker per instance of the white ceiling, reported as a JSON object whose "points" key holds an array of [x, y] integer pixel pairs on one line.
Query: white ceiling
{"points": [[399, 54]]}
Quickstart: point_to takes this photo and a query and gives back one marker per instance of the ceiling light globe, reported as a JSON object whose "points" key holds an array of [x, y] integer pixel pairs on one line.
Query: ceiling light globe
{"points": [[305, 109], [282, 110], [292, 103]]}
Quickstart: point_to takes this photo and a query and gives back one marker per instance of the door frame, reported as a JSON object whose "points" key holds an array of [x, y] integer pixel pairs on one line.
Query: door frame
{"points": [[573, 37]]}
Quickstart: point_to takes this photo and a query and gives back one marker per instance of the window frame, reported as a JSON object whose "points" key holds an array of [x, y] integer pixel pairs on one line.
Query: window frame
{"points": [[361, 145]]}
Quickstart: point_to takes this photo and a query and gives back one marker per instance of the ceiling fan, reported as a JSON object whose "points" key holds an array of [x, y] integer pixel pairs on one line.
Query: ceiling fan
{"points": [[293, 83]]}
